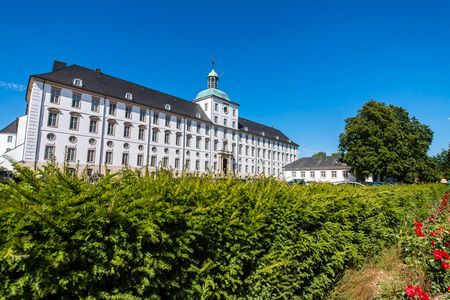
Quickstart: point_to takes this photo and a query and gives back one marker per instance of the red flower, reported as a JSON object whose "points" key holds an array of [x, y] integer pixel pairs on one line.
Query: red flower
{"points": [[445, 265], [433, 243], [410, 290], [434, 233], [419, 225], [419, 232], [439, 254]]}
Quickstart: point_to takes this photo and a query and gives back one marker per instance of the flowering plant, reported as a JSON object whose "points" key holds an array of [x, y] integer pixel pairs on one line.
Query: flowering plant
{"points": [[428, 248]]}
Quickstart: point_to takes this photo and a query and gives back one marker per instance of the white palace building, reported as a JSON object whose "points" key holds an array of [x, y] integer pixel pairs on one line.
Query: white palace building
{"points": [[93, 121]]}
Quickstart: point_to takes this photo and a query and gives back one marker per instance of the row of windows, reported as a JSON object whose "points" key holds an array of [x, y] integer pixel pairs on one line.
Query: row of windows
{"points": [[76, 100], [226, 110], [323, 174]]}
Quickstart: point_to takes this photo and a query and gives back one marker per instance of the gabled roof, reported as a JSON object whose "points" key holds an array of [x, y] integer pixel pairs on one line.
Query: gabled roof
{"points": [[246, 125], [107, 85], [11, 128], [317, 163]]}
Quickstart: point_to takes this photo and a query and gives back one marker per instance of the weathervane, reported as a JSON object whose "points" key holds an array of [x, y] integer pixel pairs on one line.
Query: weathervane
{"points": [[213, 61]]}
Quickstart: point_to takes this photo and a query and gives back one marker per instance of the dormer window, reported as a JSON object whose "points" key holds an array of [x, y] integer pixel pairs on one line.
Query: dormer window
{"points": [[263, 133], [167, 107], [197, 115], [129, 96], [78, 82]]}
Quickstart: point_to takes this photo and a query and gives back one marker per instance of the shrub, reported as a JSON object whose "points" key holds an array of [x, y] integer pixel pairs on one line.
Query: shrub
{"points": [[157, 237]]}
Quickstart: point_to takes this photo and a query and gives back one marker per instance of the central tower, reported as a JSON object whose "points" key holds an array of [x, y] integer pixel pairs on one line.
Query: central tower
{"points": [[216, 104]]}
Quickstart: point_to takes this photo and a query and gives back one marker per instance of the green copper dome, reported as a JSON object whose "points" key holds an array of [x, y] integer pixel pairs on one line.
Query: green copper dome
{"points": [[212, 92]]}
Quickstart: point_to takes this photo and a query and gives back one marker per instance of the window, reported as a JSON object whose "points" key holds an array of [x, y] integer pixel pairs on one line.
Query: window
{"points": [[197, 142], [112, 108], [197, 165], [333, 174], [234, 124], [49, 152], [155, 136], [312, 174], [188, 141], [215, 131], [216, 143], [153, 161], [234, 112], [323, 174], [141, 134], [167, 107], [240, 149], [125, 159], [77, 82], [246, 150], [199, 126], [73, 123], [54, 95], [165, 162], [207, 129], [216, 106], [71, 154], [345, 174], [76, 99], [178, 140], [109, 157], [188, 125], [128, 110], [167, 121], [10, 138], [167, 137], [177, 163], [207, 144], [187, 164], [225, 122], [140, 160], [127, 131], [206, 106], [142, 115], [233, 136], [129, 96], [95, 104], [91, 156], [155, 118], [216, 119], [206, 165], [233, 148], [93, 126], [294, 174], [111, 127]]}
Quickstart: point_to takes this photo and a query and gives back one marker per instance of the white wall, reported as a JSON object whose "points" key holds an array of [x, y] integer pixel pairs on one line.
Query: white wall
{"points": [[307, 175]]}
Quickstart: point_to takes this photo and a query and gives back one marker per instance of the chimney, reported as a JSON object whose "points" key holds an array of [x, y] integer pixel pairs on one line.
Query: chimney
{"points": [[98, 72], [58, 65]]}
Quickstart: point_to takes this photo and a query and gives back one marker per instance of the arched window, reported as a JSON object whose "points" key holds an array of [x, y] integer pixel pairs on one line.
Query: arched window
{"points": [[128, 96], [167, 137], [167, 107]]}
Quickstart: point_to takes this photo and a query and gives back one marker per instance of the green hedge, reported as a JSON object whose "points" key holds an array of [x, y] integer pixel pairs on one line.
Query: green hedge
{"points": [[131, 236]]}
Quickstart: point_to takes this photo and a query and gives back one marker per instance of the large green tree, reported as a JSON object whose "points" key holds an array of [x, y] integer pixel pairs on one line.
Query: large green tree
{"points": [[384, 141], [442, 161], [320, 154]]}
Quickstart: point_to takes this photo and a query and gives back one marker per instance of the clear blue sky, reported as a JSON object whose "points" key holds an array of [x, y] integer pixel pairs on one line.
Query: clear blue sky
{"points": [[301, 66]]}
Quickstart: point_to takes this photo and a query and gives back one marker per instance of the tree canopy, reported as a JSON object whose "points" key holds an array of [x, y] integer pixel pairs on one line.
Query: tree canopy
{"points": [[384, 141], [442, 161], [320, 154]]}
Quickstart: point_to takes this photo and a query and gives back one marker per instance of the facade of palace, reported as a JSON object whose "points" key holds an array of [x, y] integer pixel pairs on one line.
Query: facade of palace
{"points": [[319, 169], [93, 121]]}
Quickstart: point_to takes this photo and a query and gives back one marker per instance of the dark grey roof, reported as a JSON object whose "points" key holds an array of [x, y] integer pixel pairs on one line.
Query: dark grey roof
{"points": [[11, 128], [258, 129], [117, 88], [317, 163], [110, 86]]}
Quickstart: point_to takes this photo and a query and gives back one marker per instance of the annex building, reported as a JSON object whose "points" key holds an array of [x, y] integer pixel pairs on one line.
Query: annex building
{"points": [[93, 121], [319, 169]]}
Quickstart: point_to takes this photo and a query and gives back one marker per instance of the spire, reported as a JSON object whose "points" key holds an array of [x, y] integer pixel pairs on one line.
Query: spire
{"points": [[213, 78]]}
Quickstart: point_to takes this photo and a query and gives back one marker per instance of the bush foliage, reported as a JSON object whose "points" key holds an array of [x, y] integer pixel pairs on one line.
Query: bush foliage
{"points": [[130, 236]]}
